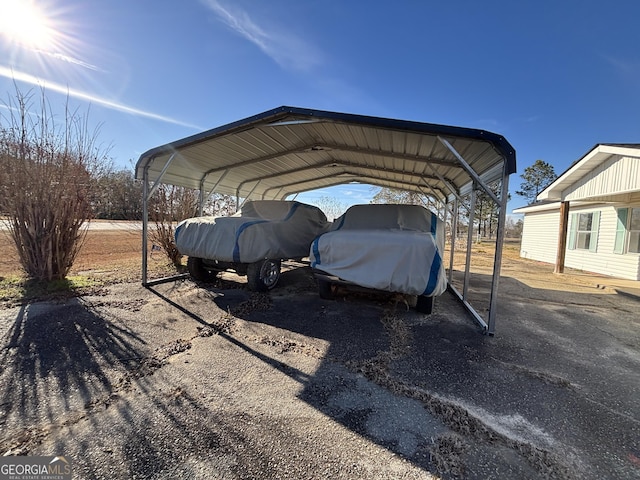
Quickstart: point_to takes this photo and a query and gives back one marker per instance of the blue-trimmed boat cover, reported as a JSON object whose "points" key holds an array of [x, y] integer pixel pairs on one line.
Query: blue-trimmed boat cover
{"points": [[394, 248], [262, 229]]}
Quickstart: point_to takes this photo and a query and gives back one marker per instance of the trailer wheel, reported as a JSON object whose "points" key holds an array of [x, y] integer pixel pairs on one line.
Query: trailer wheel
{"points": [[263, 275], [324, 289], [198, 272], [424, 304]]}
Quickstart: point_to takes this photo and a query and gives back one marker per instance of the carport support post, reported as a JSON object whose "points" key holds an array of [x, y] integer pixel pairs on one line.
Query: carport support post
{"points": [[467, 273], [201, 198], [146, 196], [145, 221], [454, 233], [497, 259], [562, 237]]}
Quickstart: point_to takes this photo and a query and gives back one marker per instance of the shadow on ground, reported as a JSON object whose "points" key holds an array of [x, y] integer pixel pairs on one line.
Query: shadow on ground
{"points": [[552, 395]]}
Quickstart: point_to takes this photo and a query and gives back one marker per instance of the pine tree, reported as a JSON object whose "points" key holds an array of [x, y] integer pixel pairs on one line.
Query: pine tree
{"points": [[536, 178]]}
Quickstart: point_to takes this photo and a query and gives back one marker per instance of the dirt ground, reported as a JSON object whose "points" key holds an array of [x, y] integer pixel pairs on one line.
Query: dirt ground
{"points": [[113, 255], [186, 380]]}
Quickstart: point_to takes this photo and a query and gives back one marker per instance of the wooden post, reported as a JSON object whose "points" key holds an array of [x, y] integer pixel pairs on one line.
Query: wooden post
{"points": [[562, 237]]}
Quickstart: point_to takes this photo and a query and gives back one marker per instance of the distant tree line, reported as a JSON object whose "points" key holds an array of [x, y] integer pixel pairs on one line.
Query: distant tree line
{"points": [[117, 196], [485, 213]]}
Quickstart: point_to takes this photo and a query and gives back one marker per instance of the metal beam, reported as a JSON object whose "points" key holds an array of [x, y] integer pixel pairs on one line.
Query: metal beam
{"points": [[476, 316], [470, 228], [472, 173], [383, 153], [204, 195], [454, 234], [341, 164], [255, 160], [145, 221], [315, 147], [497, 260], [159, 179], [377, 181], [248, 195]]}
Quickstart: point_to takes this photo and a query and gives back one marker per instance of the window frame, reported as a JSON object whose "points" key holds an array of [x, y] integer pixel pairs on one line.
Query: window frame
{"points": [[624, 232], [593, 232]]}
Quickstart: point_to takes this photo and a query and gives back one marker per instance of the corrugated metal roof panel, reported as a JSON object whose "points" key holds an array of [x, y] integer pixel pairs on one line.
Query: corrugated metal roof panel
{"points": [[290, 149]]}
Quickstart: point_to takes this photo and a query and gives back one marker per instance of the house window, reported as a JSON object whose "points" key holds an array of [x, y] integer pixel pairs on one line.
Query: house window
{"points": [[585, 220], [583, 234], [628, 231]]}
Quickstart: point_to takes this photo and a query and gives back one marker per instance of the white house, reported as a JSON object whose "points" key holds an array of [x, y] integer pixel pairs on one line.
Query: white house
{"points": [[589, 217]]}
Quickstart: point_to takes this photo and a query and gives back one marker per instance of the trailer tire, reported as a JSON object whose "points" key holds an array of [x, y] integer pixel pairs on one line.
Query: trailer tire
{"points": [[424, 304], [263, 275], [324, 289], [198, 271]]}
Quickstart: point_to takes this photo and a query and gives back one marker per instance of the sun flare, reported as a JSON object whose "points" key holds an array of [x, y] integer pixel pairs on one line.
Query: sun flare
{"points": [[23, 22]]}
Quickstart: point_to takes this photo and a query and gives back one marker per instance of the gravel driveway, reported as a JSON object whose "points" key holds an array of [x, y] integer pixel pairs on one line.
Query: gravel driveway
{"points": [[211, 381]]}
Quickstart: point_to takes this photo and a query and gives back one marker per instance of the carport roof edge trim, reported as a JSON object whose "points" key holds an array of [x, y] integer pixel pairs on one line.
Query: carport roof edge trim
{"points": [[498, 141]]}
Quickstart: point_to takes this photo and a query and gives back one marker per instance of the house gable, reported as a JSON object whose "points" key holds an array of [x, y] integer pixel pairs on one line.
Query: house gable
{"points": [[614, 177], [607, 173], [601, 190]]}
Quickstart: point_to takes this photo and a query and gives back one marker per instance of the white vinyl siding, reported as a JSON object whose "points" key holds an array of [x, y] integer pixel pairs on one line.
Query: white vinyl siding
{"points": [[540, 236], [618, 174], [540, 240], [604, 261], [603, 187]]}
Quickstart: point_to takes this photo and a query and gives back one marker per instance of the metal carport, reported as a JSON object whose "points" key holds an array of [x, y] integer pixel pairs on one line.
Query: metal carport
{"points": [[289, 150]]}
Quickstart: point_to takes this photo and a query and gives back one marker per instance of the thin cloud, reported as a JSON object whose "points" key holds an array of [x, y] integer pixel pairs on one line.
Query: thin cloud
{"points": [[623, 66], [30, 79], [627, 68], [288, 51], [68, 59]]}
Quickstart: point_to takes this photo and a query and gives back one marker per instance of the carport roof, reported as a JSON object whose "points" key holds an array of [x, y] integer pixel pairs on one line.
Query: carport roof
{"points": [[289, 150]]}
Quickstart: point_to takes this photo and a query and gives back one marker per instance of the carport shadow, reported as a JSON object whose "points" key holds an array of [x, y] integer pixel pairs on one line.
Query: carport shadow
{"points": [[57, 359], [360, 333], [492, 389], [482, 400]]}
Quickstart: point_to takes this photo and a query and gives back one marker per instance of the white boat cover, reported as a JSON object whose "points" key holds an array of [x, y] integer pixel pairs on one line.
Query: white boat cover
{"points": [[262, 229], [394, 248]]}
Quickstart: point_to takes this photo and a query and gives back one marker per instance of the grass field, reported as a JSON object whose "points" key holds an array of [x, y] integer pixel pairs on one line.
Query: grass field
{"points": [[106, 257]]}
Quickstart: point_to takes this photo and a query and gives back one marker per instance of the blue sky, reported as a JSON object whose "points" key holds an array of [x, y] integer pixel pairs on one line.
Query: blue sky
{"points": [[553, 77]]}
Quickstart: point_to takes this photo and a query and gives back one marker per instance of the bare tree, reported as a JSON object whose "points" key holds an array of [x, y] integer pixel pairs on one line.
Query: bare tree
{"points": [[169, 205], [393, 195], [46, 173], [220, 205], [117, 196], [332, 207]]}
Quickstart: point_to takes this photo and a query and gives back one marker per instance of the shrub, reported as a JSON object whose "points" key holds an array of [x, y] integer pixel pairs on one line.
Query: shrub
{"points": [[46, 175]]}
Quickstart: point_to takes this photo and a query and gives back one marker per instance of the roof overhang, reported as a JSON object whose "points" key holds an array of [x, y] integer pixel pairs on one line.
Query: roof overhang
{"points": [[289, 150], [557, 190]]}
